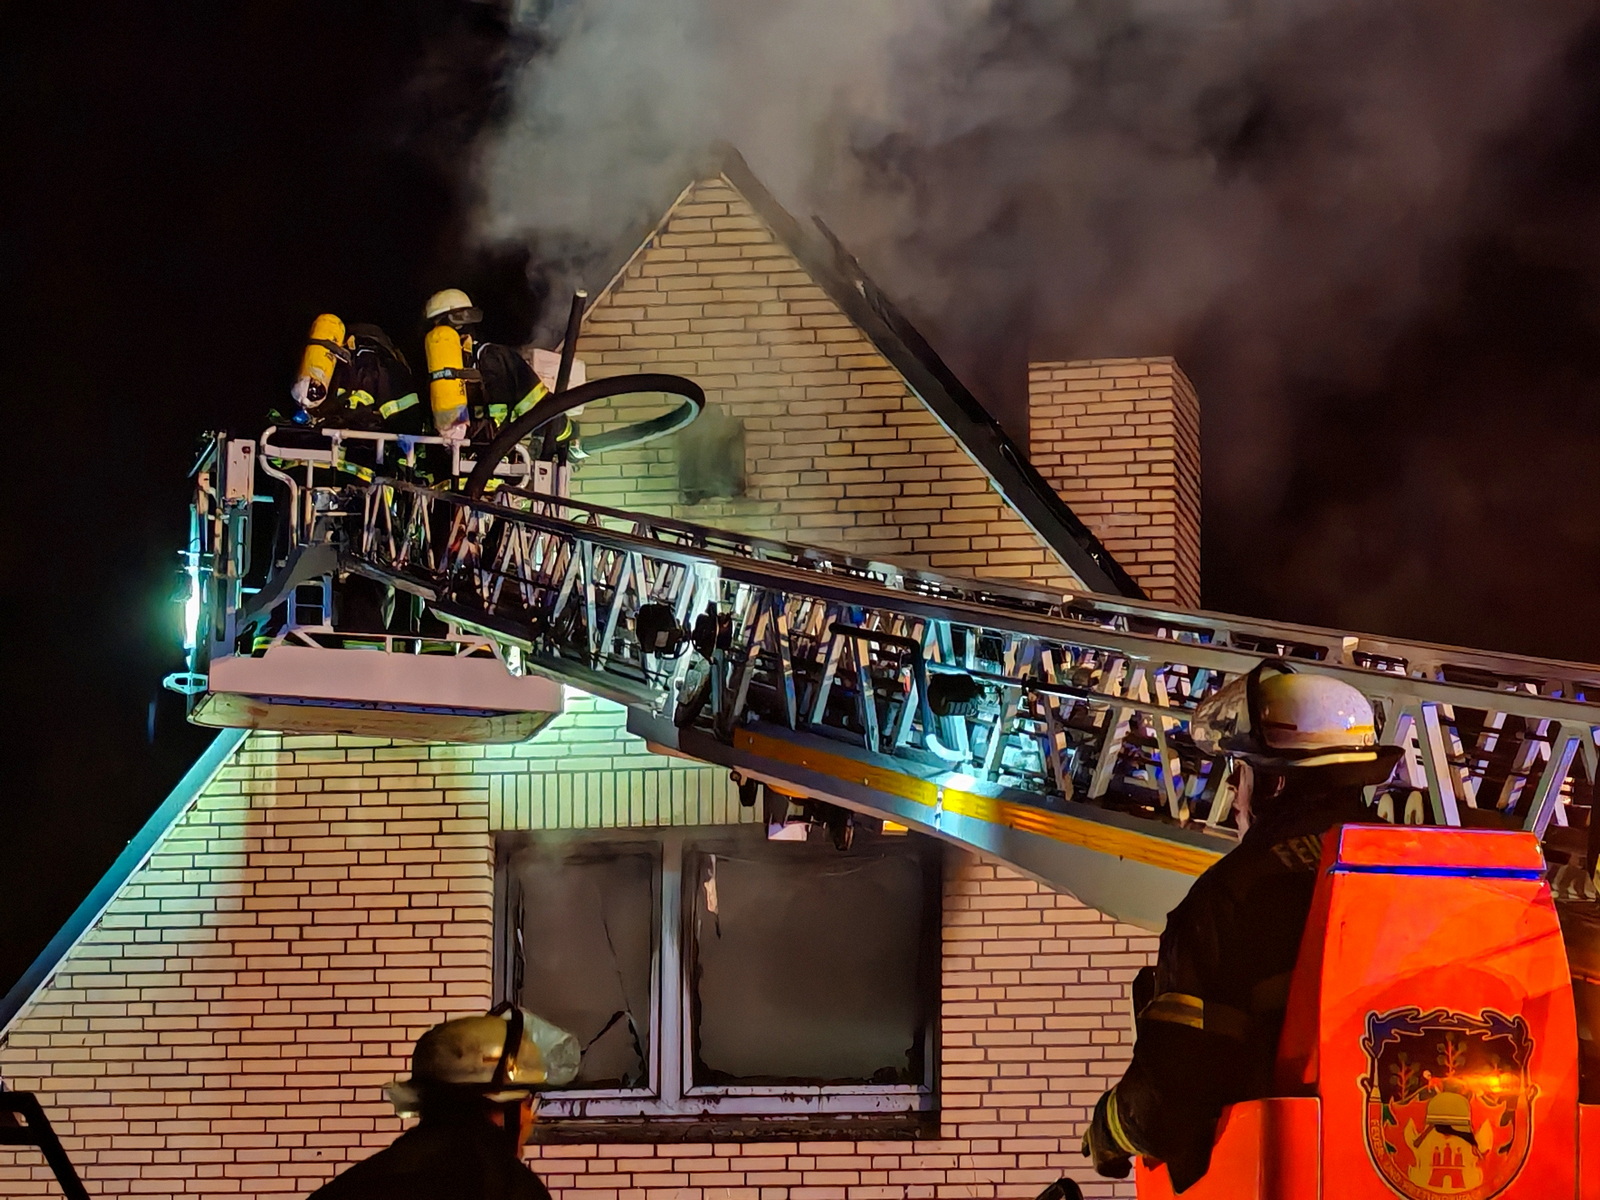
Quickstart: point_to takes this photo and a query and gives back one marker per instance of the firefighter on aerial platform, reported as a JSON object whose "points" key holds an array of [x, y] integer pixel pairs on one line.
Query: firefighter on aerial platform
{"points": [[1208, 1023], [357, 379], [475, 387], [354, 378], [473, 1084]]}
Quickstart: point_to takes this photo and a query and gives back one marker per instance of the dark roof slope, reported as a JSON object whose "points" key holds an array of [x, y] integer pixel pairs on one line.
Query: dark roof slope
{"points": [[838, 273]]}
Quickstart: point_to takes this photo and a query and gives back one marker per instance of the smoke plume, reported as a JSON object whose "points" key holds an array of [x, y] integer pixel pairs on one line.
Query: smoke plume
{"points": [[1274, 190]]}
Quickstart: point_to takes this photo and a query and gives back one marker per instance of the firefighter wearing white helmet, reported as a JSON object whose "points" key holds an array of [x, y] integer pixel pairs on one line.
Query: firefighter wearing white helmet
{"points": [[1279, 718], [474, 387], [474, 1083], [1209, 1013]]}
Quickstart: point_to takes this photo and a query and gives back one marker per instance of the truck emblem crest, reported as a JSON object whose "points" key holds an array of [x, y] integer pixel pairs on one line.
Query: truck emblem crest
{"points": [[1449, 1102]]}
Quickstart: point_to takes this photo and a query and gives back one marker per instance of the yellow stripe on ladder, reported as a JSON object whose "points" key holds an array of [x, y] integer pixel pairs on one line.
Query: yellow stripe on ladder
{"points": [[1059, 827]]}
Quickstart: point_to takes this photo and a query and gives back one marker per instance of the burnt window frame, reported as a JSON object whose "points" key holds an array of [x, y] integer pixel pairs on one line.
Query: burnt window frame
{"points": [[671, 1095], [728, 843], [509, 962]]}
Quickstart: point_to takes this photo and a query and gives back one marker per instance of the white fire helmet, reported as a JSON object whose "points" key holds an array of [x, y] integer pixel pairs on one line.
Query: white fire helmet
{"points": [[1275, 714], [452, 305], [501, 1056]]}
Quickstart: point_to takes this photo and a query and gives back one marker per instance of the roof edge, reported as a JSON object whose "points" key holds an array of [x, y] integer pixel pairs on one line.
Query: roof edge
{"points": [[640, 247], [1020, 485], [134, 855]]}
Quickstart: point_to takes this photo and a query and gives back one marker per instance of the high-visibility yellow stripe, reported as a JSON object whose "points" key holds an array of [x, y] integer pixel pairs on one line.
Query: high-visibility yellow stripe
{"points": [[1114, 1124], [1340, 756], [1175, 1008], [538, 393], [1091, 835]]}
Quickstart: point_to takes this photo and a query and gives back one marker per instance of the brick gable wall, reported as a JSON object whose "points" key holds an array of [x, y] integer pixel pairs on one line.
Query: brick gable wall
{"points": [[1119, 439], [227, 1026], [839, 451]]}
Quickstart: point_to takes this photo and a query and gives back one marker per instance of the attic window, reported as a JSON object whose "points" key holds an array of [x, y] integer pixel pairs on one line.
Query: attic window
{"points": [[711, 457]]}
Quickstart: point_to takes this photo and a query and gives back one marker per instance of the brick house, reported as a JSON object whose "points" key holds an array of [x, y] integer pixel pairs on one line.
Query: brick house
{"points": [[222, 1013]]}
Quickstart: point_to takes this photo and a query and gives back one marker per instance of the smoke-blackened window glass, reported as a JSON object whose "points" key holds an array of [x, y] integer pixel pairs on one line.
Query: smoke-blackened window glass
{"points": [[711, 457], [586, 919], [810, 966]]}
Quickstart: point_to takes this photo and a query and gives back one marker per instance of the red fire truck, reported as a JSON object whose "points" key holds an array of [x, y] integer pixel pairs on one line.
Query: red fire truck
{"points": [[1431, 1046]]}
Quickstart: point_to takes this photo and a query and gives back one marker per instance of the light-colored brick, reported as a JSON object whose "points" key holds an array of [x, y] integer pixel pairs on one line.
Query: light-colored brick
{"points": [[335, 1004], [226, 1027], [816, 395], [1098, 431]]}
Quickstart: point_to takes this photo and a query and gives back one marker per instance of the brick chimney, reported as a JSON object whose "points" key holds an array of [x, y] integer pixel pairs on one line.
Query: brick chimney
{"points": [[1119, 439]]}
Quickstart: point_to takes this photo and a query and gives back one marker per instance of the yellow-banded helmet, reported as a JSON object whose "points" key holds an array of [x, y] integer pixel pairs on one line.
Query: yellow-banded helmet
{"points": [[500, 1056], [1282, 718]]}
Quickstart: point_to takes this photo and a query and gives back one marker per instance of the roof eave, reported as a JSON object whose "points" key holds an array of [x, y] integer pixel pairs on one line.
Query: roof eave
{"points": [[134, 855]]}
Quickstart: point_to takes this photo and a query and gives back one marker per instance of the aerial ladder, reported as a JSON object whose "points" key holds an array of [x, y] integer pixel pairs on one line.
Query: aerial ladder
{"points": [[1043, 728]]}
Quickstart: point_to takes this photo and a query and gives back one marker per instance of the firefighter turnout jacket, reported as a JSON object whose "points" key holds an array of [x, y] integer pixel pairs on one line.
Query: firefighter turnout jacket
{"points": [[1580, 929], [1208, 1029], [373, 388], [458, 1157]]}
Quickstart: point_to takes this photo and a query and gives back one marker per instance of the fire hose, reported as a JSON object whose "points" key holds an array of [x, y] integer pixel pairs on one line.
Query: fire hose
{"points": [[559, 403]]}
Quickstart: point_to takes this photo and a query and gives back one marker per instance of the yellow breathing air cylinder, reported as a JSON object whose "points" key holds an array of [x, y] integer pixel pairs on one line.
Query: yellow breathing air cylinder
{"points": [[447, 389], [318, 362]]}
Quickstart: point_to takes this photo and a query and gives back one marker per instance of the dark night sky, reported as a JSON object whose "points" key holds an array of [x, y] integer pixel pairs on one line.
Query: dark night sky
{"points": [[185, 185]]}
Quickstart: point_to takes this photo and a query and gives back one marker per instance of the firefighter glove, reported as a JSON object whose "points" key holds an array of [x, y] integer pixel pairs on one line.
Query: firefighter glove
{"points": [[1103, 1142]]}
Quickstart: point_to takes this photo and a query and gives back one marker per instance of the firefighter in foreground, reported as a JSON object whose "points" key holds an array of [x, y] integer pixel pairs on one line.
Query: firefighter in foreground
{"points": [[473, 1084], [1207, 1030]]}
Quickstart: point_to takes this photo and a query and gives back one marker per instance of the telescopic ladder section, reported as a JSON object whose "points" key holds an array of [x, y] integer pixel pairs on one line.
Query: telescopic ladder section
{"points": [[1049, 730]]}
